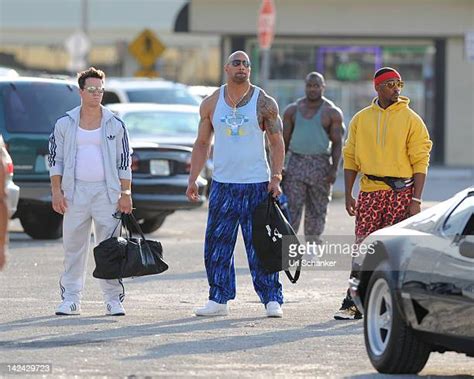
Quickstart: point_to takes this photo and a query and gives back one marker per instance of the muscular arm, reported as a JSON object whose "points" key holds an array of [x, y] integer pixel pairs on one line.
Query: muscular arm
{"points": [[336, 130], [202, 146], [288, 124], [270, 121]]}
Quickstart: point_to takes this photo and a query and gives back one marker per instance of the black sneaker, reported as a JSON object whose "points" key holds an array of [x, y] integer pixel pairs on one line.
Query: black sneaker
{"points": [[348, 311]]}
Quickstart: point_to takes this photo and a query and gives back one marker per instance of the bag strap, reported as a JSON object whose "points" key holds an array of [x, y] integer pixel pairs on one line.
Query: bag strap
{"points": [[116, 226], [293, 278], [131, 218]]}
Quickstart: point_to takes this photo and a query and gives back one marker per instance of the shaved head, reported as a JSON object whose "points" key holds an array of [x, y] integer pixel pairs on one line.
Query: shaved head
{"points": [[238, 67], [313, 75], [237, 54]]}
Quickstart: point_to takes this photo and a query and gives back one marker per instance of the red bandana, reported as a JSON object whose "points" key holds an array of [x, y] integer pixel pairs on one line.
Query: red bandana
{"points": [[386, 76]]}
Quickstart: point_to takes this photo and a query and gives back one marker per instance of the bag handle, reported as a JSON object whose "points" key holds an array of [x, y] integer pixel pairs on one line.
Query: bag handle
{"points": [[116, 226], [293, 278], [130, 217]]}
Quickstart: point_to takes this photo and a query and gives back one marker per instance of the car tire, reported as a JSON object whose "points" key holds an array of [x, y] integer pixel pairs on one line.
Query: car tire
{"points": [[40, 223], [149, 225], [393, 347]]}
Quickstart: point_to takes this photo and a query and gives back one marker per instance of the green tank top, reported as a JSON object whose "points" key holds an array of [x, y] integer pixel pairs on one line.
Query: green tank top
{"points": [[309, 136]]}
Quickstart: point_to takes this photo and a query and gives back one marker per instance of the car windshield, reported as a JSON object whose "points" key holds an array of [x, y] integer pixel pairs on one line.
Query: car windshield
{"points": [[162, 96], [35, 107], [150, 124]]}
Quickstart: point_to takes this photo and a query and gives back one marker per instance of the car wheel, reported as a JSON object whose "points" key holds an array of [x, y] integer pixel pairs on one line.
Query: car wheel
{"points": [[393, 347], [40, 223], [149, 225]]}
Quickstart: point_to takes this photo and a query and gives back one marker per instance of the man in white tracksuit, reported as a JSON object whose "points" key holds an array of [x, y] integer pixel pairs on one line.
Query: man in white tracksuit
{"points": [[89, 160]]}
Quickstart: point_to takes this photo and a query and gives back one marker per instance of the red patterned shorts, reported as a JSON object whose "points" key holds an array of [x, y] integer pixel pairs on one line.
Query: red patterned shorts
{"points": [[378, 209]]}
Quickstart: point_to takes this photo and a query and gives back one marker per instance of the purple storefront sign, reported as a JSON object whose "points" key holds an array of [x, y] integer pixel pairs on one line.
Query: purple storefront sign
{"points": [[375, 50]]}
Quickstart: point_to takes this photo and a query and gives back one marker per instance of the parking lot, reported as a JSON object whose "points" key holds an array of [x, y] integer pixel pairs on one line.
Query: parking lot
{"points": [[159, 336]]}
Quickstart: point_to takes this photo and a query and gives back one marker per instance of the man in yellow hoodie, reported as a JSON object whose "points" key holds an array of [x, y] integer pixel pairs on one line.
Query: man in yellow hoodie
{"points": [[389, 146]]}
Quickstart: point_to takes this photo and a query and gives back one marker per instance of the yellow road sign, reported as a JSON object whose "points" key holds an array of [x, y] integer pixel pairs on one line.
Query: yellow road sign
{"points": [[147, 74], [146, 48]]}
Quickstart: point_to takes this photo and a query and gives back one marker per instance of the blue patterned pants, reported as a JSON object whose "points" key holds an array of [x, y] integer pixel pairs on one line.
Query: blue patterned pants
{"points": [[230, 205]]}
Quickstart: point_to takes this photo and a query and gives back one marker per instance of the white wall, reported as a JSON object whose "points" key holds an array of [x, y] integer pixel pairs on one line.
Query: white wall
{"points": [[338, 17], [459, 127], [34, 21]]}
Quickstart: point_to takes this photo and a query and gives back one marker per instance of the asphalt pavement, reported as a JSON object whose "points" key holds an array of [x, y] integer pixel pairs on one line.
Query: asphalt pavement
{"points": [[160, 337]]}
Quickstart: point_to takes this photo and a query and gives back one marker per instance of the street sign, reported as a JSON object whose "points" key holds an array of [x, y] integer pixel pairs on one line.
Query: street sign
{"points": [[266, 24], [77, 45], [147, 73], [146, 48]]}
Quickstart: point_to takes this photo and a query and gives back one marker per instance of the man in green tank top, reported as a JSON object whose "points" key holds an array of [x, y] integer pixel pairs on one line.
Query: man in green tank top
{"points": [[313, 127]]}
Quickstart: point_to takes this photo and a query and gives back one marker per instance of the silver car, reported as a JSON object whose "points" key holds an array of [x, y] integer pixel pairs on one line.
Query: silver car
{"points": [[12, 190]]}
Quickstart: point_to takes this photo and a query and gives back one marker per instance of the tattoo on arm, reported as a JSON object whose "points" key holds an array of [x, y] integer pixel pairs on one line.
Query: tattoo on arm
{"points": [[268, 117]]}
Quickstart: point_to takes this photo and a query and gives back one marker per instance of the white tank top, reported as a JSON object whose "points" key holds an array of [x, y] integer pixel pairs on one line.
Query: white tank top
{"points": [[239, 143], [89, 159]]}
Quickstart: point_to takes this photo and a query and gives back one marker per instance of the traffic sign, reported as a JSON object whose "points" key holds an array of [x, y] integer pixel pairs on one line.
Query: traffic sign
{"points": [[77, 44], [147, 73], [266, 24], [146, 48]]}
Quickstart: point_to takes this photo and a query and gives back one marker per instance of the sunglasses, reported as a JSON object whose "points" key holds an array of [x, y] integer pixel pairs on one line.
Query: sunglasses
{"points": [[392, 84], [93, 89], [238, 62]]}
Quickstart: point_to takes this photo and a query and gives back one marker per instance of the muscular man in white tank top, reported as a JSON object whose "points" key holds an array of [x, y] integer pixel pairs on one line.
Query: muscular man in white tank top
{"points": [[239, 115]]}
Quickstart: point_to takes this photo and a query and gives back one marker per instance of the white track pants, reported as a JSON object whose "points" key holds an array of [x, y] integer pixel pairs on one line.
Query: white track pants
{"points": [[90, 203]]}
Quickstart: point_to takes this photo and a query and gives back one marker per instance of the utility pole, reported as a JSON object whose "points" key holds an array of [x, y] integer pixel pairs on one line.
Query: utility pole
{"points": [[266, 32], [85, 25]]}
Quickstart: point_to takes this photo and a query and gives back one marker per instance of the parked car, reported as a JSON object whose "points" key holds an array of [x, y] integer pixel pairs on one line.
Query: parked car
{"points": [[29, 108], [142, 90], [7, 71], [12, 190], [159, 182], [202, 91], [417, 288], [165, 124]]}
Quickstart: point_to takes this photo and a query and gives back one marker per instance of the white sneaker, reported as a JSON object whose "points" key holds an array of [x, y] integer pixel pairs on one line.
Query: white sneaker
{"points": [[212, 309], [115, 308], [274, 309], [68, 308]]}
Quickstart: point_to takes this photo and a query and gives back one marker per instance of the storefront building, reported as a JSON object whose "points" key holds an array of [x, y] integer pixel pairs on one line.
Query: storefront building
{"points": [[348, 40]]}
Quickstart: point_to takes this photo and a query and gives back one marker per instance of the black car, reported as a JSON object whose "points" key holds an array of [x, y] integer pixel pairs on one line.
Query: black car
{"points": [[29, 107], [159, 182], [416, 289]]}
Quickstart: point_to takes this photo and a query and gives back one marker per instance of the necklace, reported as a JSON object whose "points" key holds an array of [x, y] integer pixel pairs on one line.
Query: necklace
{"points": [[235, 103]]}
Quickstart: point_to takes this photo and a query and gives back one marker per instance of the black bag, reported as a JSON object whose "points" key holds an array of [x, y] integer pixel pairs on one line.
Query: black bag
{"points": [[119, 257], [397, 184], [272, 235]]}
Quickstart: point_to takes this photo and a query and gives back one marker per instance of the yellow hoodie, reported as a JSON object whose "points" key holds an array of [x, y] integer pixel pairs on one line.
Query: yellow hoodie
{"points": [[387, 142]]}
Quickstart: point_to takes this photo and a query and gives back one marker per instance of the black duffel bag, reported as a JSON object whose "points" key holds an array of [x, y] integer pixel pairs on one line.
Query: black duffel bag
{"points": [[119, 257], [272, 235]]}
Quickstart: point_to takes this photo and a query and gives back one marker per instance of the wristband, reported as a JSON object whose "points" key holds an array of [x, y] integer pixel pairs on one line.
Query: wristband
{"points": [[126, 192], [416, 199]]}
